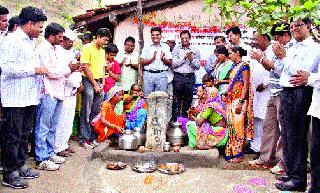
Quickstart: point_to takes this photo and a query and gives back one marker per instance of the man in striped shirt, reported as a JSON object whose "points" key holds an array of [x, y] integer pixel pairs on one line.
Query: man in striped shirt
{"points": [[20, 83]]}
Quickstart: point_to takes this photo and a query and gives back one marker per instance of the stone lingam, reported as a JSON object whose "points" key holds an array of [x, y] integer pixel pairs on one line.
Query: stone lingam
{"points": [[157, 120]]}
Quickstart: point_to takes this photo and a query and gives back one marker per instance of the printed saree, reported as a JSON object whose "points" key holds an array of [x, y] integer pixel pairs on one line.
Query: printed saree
{"points": [[240, 126]]}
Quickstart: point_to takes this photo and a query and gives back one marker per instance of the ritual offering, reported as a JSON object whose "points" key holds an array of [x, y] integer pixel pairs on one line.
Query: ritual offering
{"points": [[171, 168], [116, 166], [144, 167]]}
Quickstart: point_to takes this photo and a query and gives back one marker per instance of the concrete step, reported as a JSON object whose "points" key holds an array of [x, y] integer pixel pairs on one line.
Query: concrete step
{"points": [[191, 158]]}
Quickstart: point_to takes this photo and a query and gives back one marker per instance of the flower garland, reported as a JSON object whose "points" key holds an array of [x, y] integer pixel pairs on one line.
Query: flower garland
{"points": [[152, 20]]}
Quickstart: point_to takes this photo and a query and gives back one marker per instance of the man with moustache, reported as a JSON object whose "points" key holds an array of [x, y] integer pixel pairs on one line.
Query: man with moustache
{"points": [[50, 105], [186, 59], [20, 87], [301, 59], [156, 59]]}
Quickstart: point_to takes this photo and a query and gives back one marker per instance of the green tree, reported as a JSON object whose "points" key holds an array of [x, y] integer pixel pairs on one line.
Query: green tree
{"points": [[261, 14]]}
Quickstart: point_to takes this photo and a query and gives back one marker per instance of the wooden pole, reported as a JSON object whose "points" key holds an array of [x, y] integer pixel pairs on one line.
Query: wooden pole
{"points": [[141, 41]]}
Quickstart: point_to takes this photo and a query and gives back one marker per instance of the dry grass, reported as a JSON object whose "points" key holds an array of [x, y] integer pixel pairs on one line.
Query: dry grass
{"points": [[59, 11]]}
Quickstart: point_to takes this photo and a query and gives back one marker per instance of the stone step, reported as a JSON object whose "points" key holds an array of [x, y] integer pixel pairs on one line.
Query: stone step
{"points": [[191, 158]]}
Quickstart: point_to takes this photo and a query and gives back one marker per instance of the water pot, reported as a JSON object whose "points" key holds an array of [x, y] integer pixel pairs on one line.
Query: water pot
{"points": [[128, 141], [175, 134]]}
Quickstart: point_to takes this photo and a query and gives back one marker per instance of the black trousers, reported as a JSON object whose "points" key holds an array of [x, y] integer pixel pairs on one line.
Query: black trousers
{"points": [[18, 125], [295, 103], [315, 156], [182, 95]]}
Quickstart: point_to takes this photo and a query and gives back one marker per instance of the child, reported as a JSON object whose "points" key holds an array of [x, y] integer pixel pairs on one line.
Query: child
{"points": [[195, 109], [112, 68], [208, 80]]}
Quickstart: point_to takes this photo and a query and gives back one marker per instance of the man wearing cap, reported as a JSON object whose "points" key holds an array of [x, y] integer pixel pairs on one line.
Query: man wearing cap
{"points": [[67, 57], [170, 40], [271, 151], [186, 59]]}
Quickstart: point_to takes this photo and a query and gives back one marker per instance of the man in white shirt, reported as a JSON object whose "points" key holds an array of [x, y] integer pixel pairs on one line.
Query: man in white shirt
{"points": [[260, 82], [50, 106], [3, 27], [170, 40], [295, 100], [67, 56], [155, 58], [20, 87], [128, 61], [313, 79]]}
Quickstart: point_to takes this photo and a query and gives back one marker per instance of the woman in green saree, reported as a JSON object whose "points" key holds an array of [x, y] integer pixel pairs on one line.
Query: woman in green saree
{"points": [[222, 69], [210, 127]]}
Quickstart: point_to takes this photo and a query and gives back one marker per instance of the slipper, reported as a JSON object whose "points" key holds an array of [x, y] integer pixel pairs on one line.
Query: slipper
{"points": [[236, 160], [69, 149], [64, 153]]}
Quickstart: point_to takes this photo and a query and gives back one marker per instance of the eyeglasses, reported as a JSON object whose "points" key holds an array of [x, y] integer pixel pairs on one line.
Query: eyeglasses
{"points": [[297, 25]]}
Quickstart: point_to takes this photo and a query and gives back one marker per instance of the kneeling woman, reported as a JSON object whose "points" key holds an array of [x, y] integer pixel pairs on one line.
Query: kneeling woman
{"points": [[113, 117], [210, 128]]}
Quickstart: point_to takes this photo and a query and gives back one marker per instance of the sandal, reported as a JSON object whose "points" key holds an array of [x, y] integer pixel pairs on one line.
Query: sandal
{"points": [[69, 149], [236, 160], [277, 170], [64, 153], [258, 163]]}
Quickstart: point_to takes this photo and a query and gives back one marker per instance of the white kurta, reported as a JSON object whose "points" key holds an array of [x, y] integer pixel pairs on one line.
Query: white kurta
{"points": [[64, 127], [260, 100]]}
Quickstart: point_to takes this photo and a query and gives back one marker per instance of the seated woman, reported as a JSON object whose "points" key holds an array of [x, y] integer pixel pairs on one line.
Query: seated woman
{"points": [[210, 127], [195, 109], [135, 107], [112, 116]]}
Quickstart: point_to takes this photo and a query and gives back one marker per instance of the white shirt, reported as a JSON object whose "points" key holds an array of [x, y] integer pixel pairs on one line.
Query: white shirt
{"points": [[128, 74], [157, 64], [54, 82], [314, 80], [20, 87], [301, 56], [260, 76]]}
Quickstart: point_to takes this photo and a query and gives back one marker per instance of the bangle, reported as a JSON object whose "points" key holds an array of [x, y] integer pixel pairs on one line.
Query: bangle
{"points": [[261, 60]]}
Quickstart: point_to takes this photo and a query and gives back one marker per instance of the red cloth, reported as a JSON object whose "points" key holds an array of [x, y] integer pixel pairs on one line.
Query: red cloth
{"points": [[109, 81]]}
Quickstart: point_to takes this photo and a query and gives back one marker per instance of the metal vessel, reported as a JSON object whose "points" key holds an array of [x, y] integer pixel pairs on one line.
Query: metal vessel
{"points": [[175, 134], [128, 141]]}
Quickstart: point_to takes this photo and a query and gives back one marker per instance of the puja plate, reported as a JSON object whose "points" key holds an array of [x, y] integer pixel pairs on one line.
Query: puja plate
{"points": [[171, 168], [116, 166], [144, 167]]}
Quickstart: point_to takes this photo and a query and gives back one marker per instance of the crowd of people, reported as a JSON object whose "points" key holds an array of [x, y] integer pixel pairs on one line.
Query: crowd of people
{"points": [[259, 96]]}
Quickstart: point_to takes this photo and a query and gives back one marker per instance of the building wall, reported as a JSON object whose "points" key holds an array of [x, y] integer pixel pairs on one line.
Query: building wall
{"points": [[184, 12]]}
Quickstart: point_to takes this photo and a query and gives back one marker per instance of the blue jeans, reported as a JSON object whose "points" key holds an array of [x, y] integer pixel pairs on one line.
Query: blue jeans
{"points": [[48, 113], [91, 105]]}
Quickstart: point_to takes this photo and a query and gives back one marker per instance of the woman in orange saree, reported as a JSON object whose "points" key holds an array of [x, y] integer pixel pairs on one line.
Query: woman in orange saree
{"points": [[239, 106], [112, 116]]}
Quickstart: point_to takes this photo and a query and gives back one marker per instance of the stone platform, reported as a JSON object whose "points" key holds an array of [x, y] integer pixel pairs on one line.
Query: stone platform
{"points": [[191, 158]]}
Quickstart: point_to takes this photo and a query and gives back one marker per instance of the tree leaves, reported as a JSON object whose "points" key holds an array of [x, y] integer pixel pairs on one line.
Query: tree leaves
{"points": [[261, 14]]}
